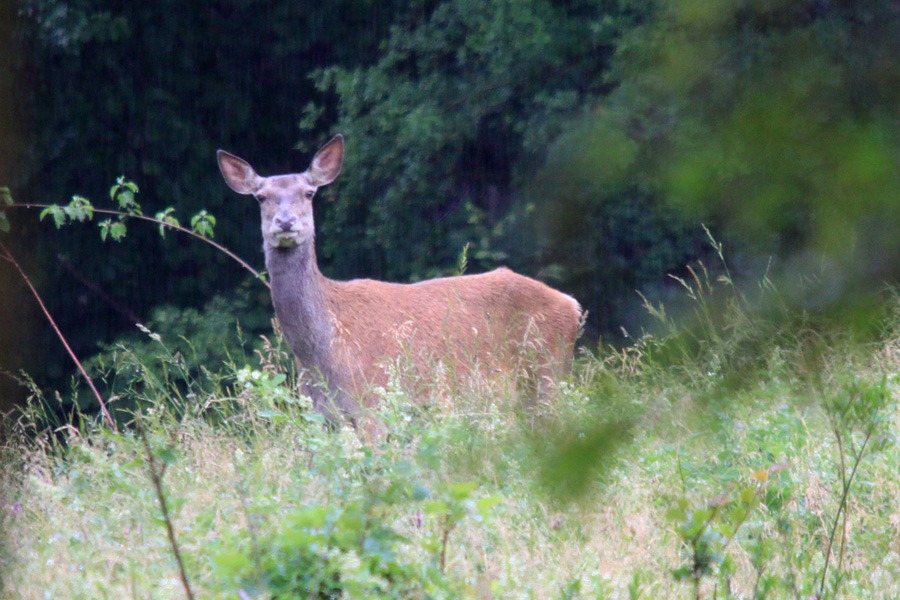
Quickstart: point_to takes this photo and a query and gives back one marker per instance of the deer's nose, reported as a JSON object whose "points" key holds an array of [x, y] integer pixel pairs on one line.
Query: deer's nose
{"points": [[285, 221]]}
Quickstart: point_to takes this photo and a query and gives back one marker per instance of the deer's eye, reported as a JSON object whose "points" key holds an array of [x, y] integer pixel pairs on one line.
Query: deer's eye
{"points": [[260, 197], [310, 194]]}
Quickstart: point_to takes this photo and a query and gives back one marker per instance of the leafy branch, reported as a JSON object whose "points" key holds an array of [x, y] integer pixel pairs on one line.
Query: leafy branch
{"points": [[123, 192], [80, 209]]}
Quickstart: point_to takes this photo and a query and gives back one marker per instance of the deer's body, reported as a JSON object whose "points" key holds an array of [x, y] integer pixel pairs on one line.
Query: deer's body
{"points": [[343, 333]]}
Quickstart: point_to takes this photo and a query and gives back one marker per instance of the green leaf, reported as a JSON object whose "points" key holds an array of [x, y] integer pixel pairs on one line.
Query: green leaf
{"points": [[169, 455], [272, 415], [436, 508], [4, 222], [574, 461], [117, 230], [701, 516], [202, 223], [55, 211], [166, 217], [461, 491], [484, 505], [137, 461], [6, 196], [314, 417], [232, 560], [296, 538], [747, 495], [80, 209], [310, 518], [676, 515]]}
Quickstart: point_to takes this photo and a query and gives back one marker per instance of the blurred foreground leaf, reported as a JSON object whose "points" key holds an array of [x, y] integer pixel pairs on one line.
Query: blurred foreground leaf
{"points": [[577, 459]]}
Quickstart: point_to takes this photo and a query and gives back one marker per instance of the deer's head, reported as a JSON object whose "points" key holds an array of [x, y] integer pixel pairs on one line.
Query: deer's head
{"points": [[285, 201]]}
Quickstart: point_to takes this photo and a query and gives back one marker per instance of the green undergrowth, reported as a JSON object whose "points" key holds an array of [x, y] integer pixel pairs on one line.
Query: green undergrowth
{"points": [[746, 457]]}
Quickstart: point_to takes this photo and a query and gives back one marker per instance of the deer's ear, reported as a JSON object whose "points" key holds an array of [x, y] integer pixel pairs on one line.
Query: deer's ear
{"points": [[326, 164], [238, 174]]}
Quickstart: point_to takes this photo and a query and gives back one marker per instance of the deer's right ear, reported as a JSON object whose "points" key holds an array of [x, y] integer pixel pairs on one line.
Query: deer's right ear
{"points": [[326, 164], [238, 174]]}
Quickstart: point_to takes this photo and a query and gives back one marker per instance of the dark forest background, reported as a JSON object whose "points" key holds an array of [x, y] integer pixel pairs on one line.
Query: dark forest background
{"points": [[582, 142]]}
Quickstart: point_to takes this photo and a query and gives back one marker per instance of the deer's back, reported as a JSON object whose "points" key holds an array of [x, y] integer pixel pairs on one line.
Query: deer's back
{"points": [[480, 318]]}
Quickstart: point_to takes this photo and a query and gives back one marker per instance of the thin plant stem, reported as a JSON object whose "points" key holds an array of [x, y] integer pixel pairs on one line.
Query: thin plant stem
{"points": [[7, 255], [445, 537], [842, 507], [170, 530]]}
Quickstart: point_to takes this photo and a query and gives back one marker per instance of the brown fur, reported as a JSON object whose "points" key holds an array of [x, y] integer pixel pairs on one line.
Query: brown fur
{"points": [[343, 332]]}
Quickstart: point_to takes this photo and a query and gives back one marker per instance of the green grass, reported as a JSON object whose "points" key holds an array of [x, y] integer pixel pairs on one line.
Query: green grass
{"points": [[708, 464]]}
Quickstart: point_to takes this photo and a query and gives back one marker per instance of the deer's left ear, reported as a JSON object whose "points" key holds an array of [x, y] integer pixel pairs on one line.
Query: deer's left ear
{"points": [[326, 164], [238, 173]]}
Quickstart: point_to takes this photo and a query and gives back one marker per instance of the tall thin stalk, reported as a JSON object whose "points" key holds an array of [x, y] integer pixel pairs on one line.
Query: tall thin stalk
{"points": [[6, 255], [160, 496], [845, 494]]}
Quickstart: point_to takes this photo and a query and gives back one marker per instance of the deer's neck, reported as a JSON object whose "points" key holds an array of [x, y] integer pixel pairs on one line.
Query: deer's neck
{"points": [[298, 293], [299, 296]]}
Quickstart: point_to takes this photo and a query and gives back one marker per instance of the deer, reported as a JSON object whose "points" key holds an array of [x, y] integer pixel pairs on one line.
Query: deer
{"points": [[343, 334]]}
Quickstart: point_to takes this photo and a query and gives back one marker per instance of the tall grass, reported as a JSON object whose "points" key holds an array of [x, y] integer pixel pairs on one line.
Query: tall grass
{"points": [[750, 455]]}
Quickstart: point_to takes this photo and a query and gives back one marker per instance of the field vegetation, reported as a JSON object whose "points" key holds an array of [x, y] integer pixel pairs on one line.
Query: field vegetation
{"points": [[749, 455]]}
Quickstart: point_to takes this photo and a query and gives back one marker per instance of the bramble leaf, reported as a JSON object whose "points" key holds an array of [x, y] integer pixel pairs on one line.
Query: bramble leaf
{"points": [[167, 219], [461, 491], [123, 192], [484, 505], [114, 229], [202, 223], [117, 230], [80, 209], [55, 211]]}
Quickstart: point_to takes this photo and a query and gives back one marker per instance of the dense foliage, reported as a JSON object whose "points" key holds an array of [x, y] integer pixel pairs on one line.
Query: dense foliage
{"points": [[580, 141]]}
